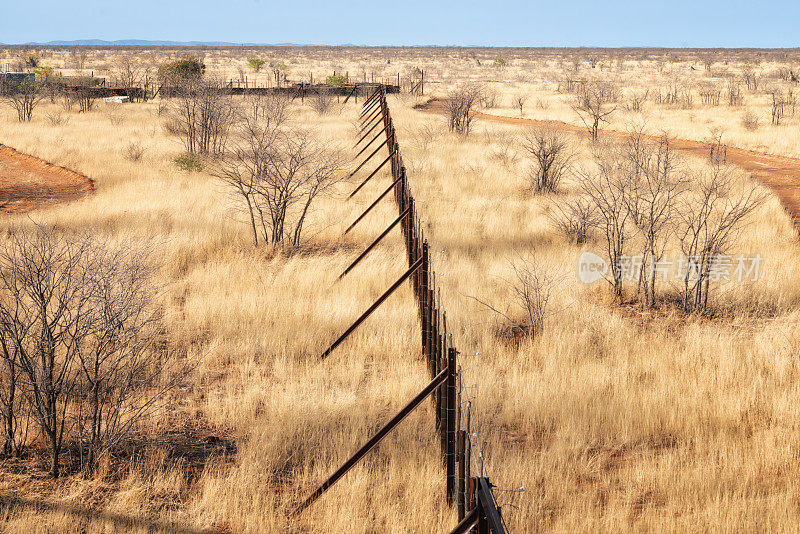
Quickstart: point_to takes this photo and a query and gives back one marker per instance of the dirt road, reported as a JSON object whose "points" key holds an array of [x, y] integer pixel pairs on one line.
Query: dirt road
{"points": [[779, 173], [28, 183]]}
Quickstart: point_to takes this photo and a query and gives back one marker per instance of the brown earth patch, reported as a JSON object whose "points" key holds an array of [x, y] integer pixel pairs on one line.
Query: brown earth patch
{"points": [[28, 183]]}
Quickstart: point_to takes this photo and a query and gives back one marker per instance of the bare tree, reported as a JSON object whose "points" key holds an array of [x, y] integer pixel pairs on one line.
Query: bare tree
{"points": [[778, 105], [460, 104], [278, 175], [78, 326], [24, 98], [552, 156], [532, 289], [130, 73], [608, 187], [202, 115], [44, 314], [574, 219], [706, 223], [119, 378], [594, 105], [519, 103], [655, 186]]}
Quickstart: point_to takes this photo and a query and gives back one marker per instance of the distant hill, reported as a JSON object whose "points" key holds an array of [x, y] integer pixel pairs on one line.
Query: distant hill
{"points": [[141, 42]]}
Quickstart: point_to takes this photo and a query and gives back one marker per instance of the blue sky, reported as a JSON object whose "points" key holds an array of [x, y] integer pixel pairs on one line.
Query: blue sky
{"points": [[671, 23]]}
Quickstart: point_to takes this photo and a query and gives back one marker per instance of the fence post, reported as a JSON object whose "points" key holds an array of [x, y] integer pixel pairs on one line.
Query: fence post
{"points": [[423, 273], [461, 457], [452, 355]]}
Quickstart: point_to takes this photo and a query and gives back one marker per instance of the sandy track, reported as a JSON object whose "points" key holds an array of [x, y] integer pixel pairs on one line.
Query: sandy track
{"points": [[28, 183], [779, 173]]}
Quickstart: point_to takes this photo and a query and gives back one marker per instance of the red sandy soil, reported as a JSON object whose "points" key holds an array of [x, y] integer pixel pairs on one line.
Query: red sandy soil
{"points": [[28, 183], [779, 173]]}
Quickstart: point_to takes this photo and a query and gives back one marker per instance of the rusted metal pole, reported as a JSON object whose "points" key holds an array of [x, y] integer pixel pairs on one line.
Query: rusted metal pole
{"points": [[461, 457], [452, 356], [369, 106], [371, 309], [490, 519], [382, 433], [375, 203], [466, 522], [366, 134], [372, 245], [423, 274], [367, 145], [368, 158], [368, 178], [368, 121]]}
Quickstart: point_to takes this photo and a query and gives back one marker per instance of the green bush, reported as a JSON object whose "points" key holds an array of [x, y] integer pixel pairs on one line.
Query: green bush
{"points": [[337, 79], [256, 63], [185, 68], [499, 62], [189, 162]]}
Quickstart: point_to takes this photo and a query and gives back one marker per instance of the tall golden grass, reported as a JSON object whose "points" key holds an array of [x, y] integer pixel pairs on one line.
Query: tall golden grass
{"points": [[611, 420]]}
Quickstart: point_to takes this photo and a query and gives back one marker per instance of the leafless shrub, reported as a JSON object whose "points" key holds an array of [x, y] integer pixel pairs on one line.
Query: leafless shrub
{"points": [[779, 103], [655, 186], [551, 154], [717, 150], [57, 118], [133, 151], [751, 78], [322, 102], [75, 319], [272, 108], [707, 223], [710, 95], [734, 91], [115, 117], [636, 99], [201, 116], [574, 219], [532, 289], [460, 104], [489, 98], [607, 186], [278, 174], [750, 121], [594, 105], [86, 100], [519, 102]]}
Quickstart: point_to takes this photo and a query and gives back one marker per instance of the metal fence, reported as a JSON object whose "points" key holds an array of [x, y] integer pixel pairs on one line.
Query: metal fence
{"points": [[466, 486]]}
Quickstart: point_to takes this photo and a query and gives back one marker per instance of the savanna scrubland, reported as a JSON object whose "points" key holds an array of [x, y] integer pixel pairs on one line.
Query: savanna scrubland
{"points": [[622, 412]]}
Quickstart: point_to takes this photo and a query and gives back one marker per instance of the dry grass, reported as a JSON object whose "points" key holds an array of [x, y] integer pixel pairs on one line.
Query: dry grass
{"points": [[611, 421]]}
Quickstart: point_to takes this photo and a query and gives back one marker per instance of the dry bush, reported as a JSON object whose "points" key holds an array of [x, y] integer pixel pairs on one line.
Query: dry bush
{"points": [[322, 102], [133, 151], [489, 98], [57, 118], [707, 224], [734, 92], [594, 104], [78, 324], [574, 219], [750, 121], [551, 153], [201, 115], [460, 104], [278, 174], [115, 117]]}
